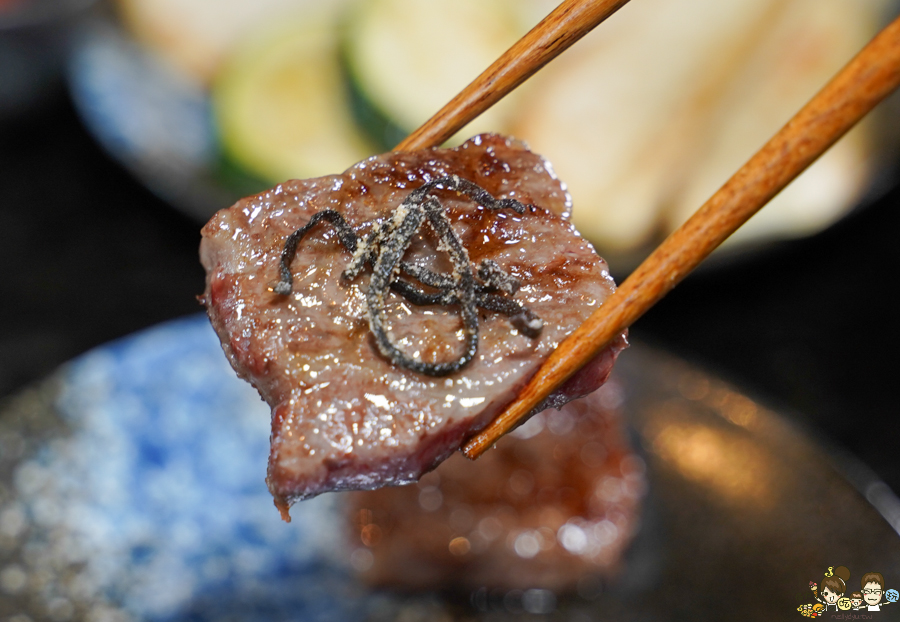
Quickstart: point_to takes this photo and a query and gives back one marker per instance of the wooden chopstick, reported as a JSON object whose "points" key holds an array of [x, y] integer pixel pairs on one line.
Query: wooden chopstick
{"points": [[565, 25], [872, 75]]}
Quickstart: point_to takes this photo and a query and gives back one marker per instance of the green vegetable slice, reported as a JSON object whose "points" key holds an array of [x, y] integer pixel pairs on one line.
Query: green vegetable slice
{"points": [[405, 59], [281, 106]]}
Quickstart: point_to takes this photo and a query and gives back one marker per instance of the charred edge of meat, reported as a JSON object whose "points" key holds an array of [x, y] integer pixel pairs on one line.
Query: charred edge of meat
{"points": [[384, 248]]}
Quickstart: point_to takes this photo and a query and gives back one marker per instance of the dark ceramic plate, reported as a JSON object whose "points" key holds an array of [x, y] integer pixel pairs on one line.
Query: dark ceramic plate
{"points": [[131, 488]]}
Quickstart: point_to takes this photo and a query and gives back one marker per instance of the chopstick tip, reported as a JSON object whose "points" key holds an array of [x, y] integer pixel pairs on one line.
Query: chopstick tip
{"points": [[475, 446]]}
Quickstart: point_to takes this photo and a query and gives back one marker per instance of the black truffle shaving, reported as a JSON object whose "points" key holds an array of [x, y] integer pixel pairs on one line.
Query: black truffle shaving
{"points": [[384, 248]]}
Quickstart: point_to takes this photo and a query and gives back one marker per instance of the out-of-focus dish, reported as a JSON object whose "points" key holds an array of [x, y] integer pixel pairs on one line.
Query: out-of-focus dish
{"points": [[644, 119], [130, 489]]}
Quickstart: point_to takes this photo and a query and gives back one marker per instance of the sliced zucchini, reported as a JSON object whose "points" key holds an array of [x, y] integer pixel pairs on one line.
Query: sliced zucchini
{"points": [[405, 59], [280, 102]]}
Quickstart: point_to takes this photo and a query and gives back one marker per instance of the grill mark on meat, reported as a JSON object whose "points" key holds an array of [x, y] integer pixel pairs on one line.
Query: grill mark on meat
{"points": [[343, 416]]}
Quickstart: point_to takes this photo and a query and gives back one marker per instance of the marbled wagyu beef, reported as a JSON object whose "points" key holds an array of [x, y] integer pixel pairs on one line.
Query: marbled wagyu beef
{"points": [[345, 414]]}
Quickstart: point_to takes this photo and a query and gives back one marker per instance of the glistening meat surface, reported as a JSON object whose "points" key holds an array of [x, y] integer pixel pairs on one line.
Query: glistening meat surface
{"points": [[343, 416], [554, 504]]}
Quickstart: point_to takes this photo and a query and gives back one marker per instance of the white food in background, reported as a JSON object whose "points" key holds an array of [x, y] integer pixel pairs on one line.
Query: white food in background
{"points": [[652, 112], [613, 115], [801, 52]]}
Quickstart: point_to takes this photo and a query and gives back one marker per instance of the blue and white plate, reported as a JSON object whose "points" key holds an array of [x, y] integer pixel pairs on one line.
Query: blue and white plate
{"points": [[145, 494], [131, 488]]}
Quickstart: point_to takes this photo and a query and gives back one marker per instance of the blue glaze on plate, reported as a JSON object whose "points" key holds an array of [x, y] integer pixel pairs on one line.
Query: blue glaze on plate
{"points": [[158, 493]]}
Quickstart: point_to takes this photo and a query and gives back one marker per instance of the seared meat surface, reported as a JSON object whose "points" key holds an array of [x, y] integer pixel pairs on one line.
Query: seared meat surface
{"points": [[343, 416], [555, 503]]}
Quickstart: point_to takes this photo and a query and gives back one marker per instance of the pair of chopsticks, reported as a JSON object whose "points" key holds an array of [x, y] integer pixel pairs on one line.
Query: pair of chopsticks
{"points": [[867, 79]]}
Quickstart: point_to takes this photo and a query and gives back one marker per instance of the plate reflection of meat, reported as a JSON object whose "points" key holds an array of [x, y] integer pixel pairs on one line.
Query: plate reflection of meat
{"points": [[539, 512], [343, 415]]}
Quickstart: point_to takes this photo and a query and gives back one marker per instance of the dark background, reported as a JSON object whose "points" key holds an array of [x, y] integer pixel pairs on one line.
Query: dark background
{"points": [[87, 254]]}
